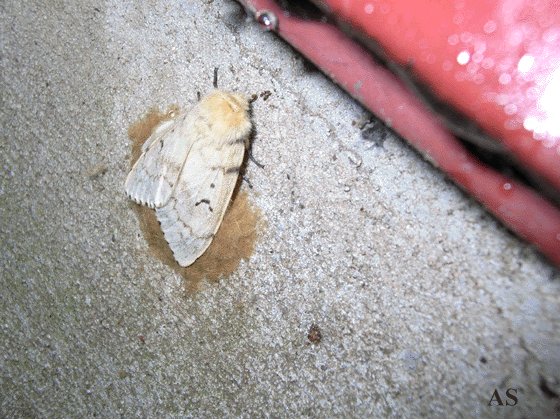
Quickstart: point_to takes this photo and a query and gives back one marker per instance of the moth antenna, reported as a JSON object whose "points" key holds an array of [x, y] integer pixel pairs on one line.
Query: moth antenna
{"points": [[215, 82]]}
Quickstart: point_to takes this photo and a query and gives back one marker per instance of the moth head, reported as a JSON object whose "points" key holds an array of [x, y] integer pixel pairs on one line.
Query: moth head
{"points": [[230, 109]]}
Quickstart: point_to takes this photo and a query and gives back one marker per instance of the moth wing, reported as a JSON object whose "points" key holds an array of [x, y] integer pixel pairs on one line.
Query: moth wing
{"points": [[154, 175], [161, 129], [194, 212]]}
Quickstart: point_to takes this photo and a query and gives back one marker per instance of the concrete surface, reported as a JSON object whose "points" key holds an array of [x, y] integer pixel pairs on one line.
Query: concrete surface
{"points": [[425, 304]]}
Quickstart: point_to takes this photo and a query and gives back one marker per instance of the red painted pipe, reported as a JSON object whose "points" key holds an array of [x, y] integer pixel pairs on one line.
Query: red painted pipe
{"points": [[406, 40]]}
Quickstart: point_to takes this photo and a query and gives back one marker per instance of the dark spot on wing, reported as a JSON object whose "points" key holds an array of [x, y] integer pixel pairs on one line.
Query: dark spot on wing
{"points": [[233, 169], [204, 201]]}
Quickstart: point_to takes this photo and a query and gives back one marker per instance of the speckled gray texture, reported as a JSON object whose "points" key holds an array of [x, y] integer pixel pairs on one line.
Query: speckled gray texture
{"points": [[425, 304]]}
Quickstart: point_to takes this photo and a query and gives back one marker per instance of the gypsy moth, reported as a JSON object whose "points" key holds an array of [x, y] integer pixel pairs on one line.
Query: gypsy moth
{"points": [[188, 169]]}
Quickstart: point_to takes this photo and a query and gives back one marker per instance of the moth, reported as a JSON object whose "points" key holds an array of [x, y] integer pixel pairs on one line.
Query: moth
{"points": [[188, 169]]}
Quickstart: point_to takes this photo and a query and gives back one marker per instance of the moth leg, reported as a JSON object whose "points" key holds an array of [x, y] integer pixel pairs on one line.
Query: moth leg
{"points": [[250, 156]]}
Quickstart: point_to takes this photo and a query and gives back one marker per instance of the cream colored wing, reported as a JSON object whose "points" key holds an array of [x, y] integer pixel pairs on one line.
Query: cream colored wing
{"points": [[153, 177], [188, 169], [195, 210]]}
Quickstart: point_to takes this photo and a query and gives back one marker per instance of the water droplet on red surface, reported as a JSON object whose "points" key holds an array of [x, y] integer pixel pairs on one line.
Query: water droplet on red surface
{"points": [[510, 109], [480, 47], [453, 39], [505, 78], [458, 18], [477, 57], [490, 26], [515, 37], [551, 35], [459, 4], [479, 78], [467, 167], [466, 37], [546, 20], [488, 63], [525, 63], [533, 93], [549, 142], [513, 124], [460, 76], [472, 68], [463, 57], [506, 189]]}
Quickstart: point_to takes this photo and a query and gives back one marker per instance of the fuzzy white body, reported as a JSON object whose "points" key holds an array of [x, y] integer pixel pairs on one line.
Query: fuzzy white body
{"points": [[188, 169]]}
